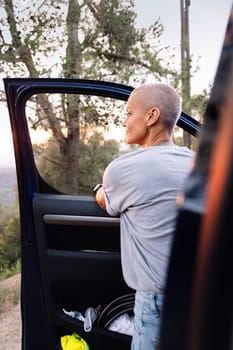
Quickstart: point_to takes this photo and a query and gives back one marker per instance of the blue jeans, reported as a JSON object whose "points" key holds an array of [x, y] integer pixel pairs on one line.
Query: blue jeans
{"points": [[147, 317]]}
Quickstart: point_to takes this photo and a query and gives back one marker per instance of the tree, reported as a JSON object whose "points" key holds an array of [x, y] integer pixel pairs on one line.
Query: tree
{"points": [[77, 39], [185, 62], [95, 155], [190, 104]]}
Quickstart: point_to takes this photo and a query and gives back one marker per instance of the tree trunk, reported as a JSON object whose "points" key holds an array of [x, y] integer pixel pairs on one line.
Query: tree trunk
{"points": [[185, 64], [72, 69], [68, 144]]}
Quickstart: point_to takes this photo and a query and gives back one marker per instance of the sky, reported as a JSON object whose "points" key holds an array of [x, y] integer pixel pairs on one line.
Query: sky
{"points": [[207, 24]]}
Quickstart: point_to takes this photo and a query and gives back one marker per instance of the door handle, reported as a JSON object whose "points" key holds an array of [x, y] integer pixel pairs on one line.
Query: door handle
{"points": [[76, 220]]}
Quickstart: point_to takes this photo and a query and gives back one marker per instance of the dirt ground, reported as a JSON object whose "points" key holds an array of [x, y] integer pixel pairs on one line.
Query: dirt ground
{"points": [[10, 329], [10, 321]]}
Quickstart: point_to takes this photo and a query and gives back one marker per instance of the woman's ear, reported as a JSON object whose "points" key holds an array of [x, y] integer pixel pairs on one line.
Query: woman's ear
{"points": [[153, 116]]}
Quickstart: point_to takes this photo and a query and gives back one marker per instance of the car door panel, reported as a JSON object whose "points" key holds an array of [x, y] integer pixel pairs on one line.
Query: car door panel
{"points": [[77, 259]]}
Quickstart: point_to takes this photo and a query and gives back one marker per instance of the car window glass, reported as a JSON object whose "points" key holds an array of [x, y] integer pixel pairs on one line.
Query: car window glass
{"points": [[74, 138], [76, 163]]}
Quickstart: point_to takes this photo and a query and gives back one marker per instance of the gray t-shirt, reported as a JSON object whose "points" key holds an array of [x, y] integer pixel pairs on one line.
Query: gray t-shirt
{"points": [[142, 187]]}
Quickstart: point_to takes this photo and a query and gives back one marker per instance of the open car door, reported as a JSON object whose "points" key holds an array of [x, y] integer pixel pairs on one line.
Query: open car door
{"points": [[70, 248]]}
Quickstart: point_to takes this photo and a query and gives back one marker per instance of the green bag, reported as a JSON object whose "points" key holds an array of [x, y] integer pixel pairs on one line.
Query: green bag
{"points": [[73, 342]]}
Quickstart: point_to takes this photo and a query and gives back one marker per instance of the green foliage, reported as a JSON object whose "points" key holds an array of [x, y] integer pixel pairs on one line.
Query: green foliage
{"points": [[92, 39], [94, 155], [7, 272], [198, 105], [4, 215], [10, 244], [49, 163], [9, 239]]}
